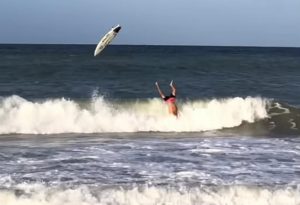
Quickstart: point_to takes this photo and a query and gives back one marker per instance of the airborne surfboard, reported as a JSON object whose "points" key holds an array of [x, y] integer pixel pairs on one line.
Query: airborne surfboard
{"points": [[107, 39]]}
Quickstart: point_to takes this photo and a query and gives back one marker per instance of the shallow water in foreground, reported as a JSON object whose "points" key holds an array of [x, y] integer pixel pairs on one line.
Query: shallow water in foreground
{"points": [[149, 168]]}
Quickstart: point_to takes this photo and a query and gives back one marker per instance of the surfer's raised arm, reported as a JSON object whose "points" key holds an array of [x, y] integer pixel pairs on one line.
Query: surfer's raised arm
{"points": [[159, 90], [173, 88]]}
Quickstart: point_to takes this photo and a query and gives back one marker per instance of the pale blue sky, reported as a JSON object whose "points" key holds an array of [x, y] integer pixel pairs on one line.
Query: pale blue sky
{"points": [[158, 22]]}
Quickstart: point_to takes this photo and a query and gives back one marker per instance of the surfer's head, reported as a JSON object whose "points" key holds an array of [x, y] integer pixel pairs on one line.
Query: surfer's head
{"points": [[171, 100]]}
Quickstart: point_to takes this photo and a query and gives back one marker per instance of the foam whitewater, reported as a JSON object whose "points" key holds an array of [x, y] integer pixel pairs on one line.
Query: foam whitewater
{"points": [[38, 194], [53, 116]]}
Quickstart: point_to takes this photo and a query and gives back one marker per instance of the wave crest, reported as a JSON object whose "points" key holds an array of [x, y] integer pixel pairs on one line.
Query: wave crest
{"points": [[52, 116]]}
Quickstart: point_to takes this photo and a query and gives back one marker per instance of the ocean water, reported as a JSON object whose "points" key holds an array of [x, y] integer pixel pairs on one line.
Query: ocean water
{"points": [[84, 130]]}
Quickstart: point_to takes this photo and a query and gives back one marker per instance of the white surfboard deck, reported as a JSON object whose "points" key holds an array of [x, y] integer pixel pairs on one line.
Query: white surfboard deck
{"points": [[105, 40]]}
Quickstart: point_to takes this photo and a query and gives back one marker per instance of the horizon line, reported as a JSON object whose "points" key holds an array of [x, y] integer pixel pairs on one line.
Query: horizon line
{"points": [[174, 45]]}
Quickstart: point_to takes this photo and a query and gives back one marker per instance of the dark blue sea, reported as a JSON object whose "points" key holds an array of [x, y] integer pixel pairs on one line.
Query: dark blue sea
{"points": [[84, 130]]}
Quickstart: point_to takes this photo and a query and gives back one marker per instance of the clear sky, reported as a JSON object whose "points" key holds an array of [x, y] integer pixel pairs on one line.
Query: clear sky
{"points": [[153, 22]]}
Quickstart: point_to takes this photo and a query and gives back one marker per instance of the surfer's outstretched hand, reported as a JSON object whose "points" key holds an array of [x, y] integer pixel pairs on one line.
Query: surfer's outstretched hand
{"points": [[156, 83], [171, 83]]}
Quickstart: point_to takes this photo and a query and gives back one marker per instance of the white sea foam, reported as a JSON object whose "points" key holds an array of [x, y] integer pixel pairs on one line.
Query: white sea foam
{"points": [[18, 115], [41, 195]]}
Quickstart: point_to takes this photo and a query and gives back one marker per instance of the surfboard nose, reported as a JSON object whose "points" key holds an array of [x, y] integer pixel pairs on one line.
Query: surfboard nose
{"points": [[117, 29]]}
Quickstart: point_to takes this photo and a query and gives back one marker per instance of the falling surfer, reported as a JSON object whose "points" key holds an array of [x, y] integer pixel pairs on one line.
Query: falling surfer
{"points": [[170, 100]]}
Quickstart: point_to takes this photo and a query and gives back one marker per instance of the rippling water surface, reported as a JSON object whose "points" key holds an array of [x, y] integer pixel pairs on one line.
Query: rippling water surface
{"points": [[75, 129]]}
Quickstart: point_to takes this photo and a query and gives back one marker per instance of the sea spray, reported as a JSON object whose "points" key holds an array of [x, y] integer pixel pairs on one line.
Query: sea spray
{"points": [[52, 116], [84, 195]]}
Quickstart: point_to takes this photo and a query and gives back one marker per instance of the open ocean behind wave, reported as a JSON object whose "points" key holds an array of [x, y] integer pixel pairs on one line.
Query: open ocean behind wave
{"points": [[75, 129]]}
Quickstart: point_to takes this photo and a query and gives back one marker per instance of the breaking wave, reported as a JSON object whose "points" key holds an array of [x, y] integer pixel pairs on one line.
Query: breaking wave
{"points": [[18, 115], [84, 195]]}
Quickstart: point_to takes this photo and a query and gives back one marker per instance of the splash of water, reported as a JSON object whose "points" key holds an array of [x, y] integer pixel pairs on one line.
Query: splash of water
{"points": [[83, 195], [18, 115]]}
